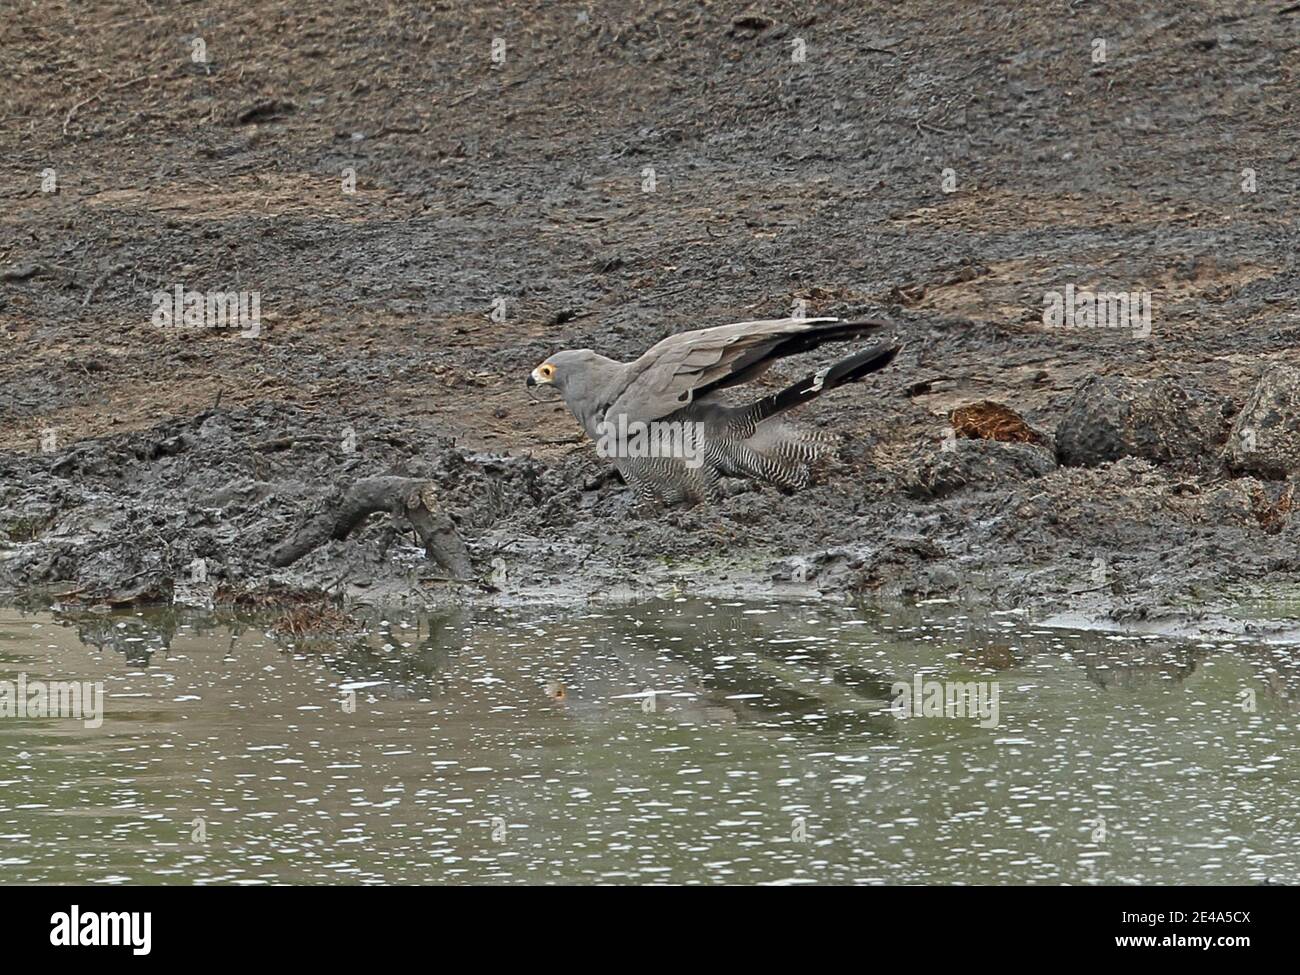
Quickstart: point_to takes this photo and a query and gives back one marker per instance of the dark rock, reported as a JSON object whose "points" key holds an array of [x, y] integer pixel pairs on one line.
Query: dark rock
{"points": [[20, 272], [1265, 439], [978, 464], [1159, 420], [751, 20], [263, 111]]}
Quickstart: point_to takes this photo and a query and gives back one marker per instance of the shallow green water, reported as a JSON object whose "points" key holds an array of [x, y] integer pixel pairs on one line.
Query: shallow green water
{"points": [[521, 747]]}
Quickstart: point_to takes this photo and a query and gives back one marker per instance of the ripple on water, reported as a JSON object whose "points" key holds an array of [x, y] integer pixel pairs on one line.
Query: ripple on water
{"points": [[677, 742]]}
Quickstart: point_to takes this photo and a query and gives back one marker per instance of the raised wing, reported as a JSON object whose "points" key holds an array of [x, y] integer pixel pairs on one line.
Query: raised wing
{"points": [[682, 367]]}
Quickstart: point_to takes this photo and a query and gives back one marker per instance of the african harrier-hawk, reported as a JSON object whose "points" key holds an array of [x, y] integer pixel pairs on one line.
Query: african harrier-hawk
{"points": [[667, 432]]}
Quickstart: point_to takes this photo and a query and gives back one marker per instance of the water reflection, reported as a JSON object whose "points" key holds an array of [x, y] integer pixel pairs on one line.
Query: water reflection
{"points": [[684, 742]]}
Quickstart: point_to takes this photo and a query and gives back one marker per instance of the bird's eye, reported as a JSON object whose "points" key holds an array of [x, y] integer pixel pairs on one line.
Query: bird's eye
{"points": [[547, 371]]}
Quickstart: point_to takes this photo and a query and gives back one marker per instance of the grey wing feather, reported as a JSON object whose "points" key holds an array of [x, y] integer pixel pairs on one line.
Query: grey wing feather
{"points": [[671, 373]]}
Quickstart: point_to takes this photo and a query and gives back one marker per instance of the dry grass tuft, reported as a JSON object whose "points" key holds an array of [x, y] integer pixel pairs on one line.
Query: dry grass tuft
{"points": [[993, 421], [313, 619]]}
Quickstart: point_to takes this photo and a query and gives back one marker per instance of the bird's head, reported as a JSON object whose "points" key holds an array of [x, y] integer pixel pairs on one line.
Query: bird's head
{"points": [[560, 369]]}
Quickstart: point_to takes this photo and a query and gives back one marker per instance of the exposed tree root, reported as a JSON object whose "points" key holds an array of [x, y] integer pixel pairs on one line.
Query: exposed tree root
{"points": [[406, 498]]}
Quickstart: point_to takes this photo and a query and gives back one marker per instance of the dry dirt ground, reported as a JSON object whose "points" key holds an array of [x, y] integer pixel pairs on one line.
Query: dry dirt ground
{"points": [[530, 177]]}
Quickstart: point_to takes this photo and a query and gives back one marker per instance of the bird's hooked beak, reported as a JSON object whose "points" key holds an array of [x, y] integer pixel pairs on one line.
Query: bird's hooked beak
{"points": [[543, 375]]}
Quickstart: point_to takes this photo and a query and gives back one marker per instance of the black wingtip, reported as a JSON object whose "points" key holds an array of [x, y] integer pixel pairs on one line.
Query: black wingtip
{"points": [[827, 332], [846, 370], [863, 363]]}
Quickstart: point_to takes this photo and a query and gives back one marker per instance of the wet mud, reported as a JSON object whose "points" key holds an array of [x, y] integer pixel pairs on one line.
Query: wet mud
{"points": [[424, 222]]}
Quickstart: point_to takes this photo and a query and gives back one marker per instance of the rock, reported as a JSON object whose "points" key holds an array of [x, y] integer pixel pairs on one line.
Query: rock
{"points": [[1160, 420], [751, 20], [20, 272], [932, 580], [979, 464], [263, 111], [1244, 502], [1265, 439]]}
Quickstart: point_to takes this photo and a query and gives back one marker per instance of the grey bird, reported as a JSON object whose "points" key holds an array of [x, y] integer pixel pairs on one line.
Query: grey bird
{"points": [[661, 422]]}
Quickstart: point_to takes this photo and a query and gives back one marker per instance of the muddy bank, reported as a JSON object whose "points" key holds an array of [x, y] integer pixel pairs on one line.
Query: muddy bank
{"points": [[424, 223], [193, 511]]}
